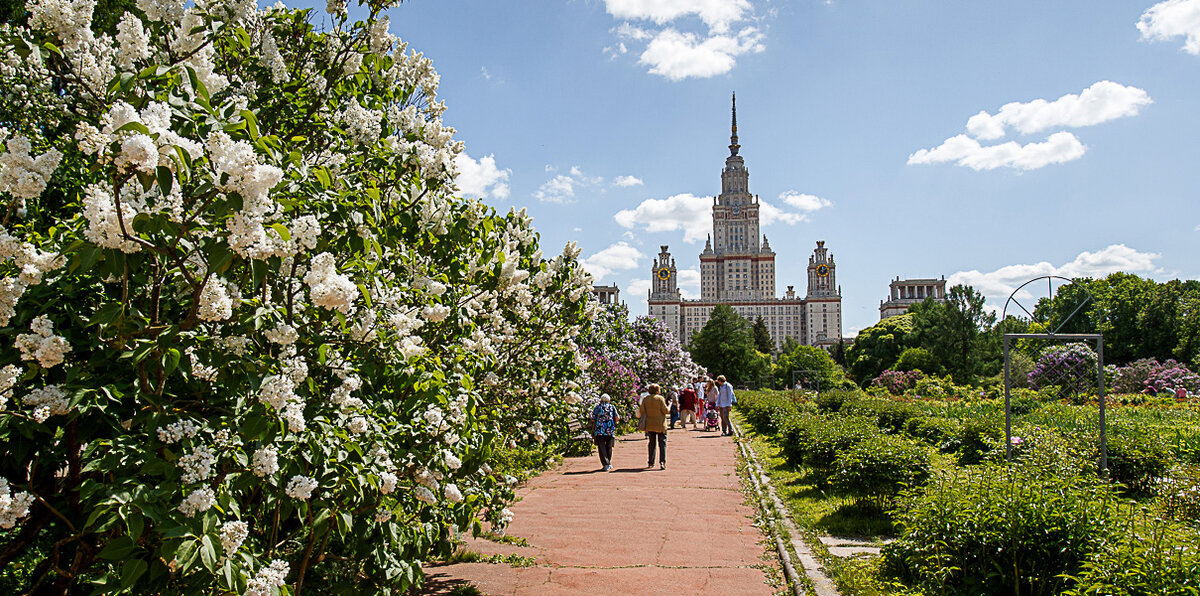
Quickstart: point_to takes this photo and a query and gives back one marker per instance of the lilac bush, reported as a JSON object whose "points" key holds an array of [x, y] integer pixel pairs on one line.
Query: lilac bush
{"points": [[897, 382], [1069, 366], [1148, 375]]}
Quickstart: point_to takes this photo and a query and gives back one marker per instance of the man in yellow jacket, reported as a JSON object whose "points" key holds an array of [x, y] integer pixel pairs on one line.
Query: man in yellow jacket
{"points": [[654, 408]]}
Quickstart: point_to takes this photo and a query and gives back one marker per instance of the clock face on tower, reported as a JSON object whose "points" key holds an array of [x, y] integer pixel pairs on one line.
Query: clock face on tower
{"points": [[664, 273], [737, 209], [822, 270]]}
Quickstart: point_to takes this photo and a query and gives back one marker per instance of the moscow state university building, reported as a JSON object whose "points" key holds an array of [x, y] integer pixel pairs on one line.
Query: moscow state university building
{"points": [[739, 270]]}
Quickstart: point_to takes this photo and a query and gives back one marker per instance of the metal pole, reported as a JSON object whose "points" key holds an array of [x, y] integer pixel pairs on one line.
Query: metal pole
{"points": [[1103, 425], [1007, 407]]}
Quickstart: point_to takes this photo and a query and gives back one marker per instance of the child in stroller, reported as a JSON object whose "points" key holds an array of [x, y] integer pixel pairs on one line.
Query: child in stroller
{"points": [[711, 418]]}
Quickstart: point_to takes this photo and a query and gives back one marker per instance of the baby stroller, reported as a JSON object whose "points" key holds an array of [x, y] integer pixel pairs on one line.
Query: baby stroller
{"points": [[711, 419]]}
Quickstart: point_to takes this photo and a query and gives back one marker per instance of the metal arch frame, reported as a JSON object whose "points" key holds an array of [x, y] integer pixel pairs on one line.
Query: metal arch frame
{"points": [[1098, 340]]}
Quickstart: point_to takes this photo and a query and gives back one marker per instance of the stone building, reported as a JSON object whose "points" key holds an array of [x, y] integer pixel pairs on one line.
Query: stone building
{"points": [[607, 294], [904, 293], [738, 270]]}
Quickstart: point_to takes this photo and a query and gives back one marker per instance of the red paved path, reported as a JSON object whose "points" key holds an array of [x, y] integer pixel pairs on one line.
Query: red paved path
{"points": [[683, 530]]}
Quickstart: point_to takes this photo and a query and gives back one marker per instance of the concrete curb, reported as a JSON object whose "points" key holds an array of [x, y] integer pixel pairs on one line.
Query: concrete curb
{"points": [[822, 585]]}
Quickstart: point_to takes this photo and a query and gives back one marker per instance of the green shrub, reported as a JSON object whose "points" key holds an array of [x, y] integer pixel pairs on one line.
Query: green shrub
{"points": [[889, 415], [1161, 560], [943, 433], [979, 436], [798, 435], [878, 469], [999, 530], [1179, 494], [1136, 459], [832, 401], [831, 436]]}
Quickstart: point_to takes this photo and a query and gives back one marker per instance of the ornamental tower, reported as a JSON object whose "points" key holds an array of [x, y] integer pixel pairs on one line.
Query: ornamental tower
{"points": [[665, 299], [823, 311], [734, 264]]}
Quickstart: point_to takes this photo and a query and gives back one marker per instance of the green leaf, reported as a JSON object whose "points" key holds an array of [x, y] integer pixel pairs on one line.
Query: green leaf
{"points": [[251, 123], [118, 548], [283, 231], [208, 553], [165, 179], [323, 177], [171, 360], [131, 571], [136, 523], [135, 126]]}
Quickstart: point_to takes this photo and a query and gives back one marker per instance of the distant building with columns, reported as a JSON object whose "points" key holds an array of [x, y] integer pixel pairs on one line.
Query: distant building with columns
{"points": [[904, 293], [739, 271], [607, 294]]}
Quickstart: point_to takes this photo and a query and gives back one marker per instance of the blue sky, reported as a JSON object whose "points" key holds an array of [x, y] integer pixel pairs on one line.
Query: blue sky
{"points": [[1058, 137]]}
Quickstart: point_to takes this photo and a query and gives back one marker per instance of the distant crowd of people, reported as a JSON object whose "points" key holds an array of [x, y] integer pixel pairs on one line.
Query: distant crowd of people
{"points": [[705, 404]]}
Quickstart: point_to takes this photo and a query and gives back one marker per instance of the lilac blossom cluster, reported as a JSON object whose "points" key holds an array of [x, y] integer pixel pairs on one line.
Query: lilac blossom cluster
{"points": [[1148, 375], [897, 382]]}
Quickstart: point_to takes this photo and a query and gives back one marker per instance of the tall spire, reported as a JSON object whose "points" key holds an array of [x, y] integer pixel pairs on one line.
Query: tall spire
{"points": [[733, 140]]}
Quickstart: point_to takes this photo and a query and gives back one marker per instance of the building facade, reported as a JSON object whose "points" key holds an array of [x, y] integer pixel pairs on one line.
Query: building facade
{"points": [[738, 270], [903, 293], [607, 294]]}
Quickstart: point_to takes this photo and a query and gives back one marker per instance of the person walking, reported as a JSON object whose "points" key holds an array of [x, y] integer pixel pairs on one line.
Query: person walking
{"points": [[604, 429], [673, 402], [687, 406], [654, 408], [725, 401]]}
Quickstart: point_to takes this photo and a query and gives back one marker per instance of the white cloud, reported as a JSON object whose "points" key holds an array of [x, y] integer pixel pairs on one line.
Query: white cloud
{"points": [[637, 291], [1103, 101], [688, 282], [679, 55], [718, 15], [1198, 228], [769, 215], [484, 71], [804, 202], [686, 212], [676, 46], [617, 257], [627, 181], [997, 285], [1059, 147], [481, 178], [561, 188], [1173, 18], [1099, 103]]}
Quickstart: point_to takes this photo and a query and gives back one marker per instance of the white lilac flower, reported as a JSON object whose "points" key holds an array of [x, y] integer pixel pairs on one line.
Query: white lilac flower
{"points": [[283, 335], [233, 533], [201, 499], [328, 288], [215, 303], [133, 43], [104, 227], [273, 59], [176, 431], [357, 425], [22, 175], [13, 506], [293, 414], [383, 516], [425, 495], [435, 313], [387, 482], [47, 401], [452, 493], [197, 465], [267, 579], [505, 517], [265, 461], [42, 345], [300, 487], [452, 461]]}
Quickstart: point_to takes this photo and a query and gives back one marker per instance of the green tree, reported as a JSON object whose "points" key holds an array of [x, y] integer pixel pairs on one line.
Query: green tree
{"points": [[877, 347], [808, 358], [918, 359], [954, 330], [725, 346], [762, 337]]}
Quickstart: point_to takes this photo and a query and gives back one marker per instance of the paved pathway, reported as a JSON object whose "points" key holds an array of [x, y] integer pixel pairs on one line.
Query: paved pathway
{"points": [[683, 530]]}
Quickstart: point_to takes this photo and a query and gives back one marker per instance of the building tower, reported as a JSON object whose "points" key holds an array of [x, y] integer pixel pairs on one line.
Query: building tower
{"points": [[824, 298], [734, 265], [664, 298]]}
